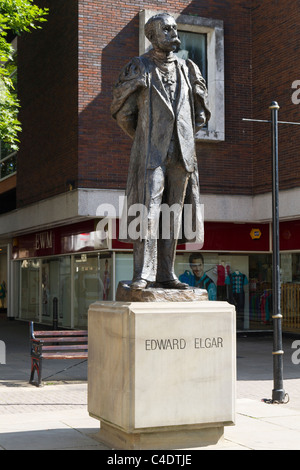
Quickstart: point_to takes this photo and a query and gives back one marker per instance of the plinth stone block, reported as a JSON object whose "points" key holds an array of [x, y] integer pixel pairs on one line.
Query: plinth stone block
{"points": [[161, 375], [125, 294]]}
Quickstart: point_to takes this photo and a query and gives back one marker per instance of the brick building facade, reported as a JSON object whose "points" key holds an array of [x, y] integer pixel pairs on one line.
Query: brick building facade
{"points": [[275, 52], [73, 158]]}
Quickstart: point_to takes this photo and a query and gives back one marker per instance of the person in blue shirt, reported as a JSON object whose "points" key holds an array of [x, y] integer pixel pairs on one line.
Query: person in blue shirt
{"points": [[197, 278]]}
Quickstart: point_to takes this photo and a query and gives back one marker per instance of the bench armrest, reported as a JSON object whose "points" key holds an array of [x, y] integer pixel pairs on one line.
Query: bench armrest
{"points": [[36, 348], [31, 330]]}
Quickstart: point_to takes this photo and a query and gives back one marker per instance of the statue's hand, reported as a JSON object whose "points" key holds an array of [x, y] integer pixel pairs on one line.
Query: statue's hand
{"points": [[200, 120]]}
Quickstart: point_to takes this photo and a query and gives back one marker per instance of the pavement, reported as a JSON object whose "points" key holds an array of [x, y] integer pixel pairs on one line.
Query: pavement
{"points": [[55, 416]]}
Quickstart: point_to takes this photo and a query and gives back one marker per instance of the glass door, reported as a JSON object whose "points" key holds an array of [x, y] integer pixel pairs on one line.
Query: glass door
{"points": [[56, 289], [92, 282], [29, 289]]}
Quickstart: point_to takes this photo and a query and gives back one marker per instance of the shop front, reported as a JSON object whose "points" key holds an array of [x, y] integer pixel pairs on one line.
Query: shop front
{"points": [[234, 265], [237, 259], [62, 270], [289, 233], [76, 265]]}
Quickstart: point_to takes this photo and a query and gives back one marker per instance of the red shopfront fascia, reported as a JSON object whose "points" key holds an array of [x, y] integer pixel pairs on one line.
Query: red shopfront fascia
{"points": [[57, 241], [224, 236], [289, 235], [218, 237]]}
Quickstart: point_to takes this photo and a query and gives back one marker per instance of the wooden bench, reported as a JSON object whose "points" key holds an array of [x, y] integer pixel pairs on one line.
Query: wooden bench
{"points": [[70, 344]]}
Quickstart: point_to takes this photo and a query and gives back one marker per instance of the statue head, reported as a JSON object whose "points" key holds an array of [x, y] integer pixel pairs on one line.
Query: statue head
{"points": [[161, 30]]}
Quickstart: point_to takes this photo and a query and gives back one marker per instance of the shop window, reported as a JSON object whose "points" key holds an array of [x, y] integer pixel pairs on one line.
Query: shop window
{"points": [[225, 277], [56, 284], [92, 283], [260, 291], [75, 281], [203, 42], [29, 289], [296, 267], [124, 267], [290, 290], [261, 300]]}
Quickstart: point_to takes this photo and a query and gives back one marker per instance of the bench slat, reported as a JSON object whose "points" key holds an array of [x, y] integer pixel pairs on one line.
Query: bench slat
{"points": [[61, 333], [65, 347], [67, 339], [70, 355]]}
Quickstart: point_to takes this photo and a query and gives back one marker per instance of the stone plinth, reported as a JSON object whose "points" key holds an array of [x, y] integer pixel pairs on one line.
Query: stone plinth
{"points": [[125, 294], [161, 375]]}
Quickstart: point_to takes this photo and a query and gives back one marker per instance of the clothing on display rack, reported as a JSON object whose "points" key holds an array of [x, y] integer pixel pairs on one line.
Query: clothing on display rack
{"points": [[222, 271], [266, 305], [260, 306], [237, 281]]}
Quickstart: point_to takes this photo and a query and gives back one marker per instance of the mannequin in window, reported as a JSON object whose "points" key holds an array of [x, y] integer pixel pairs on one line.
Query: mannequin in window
{"points": [[222, 270], [2, 293], [237, 282], [106, 281]]}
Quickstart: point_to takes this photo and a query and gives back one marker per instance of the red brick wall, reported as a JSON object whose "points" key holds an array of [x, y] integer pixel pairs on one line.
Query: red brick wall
{"points": [[48, 90], [108, 38], [276, 48]]}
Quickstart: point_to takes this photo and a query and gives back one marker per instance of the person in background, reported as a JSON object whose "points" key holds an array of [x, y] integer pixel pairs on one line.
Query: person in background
{"points": [[106, 281], [198, 278], [3, 291]]}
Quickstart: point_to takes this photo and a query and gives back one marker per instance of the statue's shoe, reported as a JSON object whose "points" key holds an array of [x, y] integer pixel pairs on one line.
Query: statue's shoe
{"points": [[139, 284], [173, 284]]}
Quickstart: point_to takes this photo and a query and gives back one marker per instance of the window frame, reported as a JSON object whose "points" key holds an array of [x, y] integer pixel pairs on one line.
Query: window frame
{"points": [[214, 29], [203, 35]]}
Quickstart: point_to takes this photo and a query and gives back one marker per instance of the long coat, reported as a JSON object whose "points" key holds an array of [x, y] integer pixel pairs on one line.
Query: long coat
{"points": [[143, 110]]}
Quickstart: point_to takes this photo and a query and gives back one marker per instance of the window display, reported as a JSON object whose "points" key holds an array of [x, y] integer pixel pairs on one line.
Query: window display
{"points": [[75, 281], [224, 276], [290, 290], [236, 282], [79, 280], [260, 290], [197, 277]]}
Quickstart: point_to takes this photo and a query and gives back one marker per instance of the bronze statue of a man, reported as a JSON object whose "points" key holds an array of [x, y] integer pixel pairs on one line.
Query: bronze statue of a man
{"points": [[160, 101]]}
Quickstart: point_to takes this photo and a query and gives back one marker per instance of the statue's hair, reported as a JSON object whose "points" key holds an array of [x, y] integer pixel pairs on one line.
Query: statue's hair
{"points": [[149, 26]]}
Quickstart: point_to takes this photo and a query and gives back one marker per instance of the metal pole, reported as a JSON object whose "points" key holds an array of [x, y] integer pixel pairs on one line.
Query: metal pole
{"points": [[55, 313], [278, 392]]}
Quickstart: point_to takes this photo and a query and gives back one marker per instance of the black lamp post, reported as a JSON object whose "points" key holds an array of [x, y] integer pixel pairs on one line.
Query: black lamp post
{"points": [[278, 392]]}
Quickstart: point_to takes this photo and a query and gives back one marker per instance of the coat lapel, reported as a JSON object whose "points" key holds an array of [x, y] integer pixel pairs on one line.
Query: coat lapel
{"points": [[183, 81], [160, 89]]}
